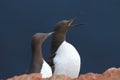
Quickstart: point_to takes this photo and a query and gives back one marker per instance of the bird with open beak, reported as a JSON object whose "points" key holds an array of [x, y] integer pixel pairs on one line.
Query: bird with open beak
{"points": [[64, 58]]}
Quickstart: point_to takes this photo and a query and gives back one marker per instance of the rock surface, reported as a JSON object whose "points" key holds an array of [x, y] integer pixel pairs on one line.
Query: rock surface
{"points": [[110, 74]]}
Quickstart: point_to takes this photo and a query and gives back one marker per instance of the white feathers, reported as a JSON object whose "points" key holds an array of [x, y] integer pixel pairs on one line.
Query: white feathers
{"points": [[67, 60], [46, 70]]}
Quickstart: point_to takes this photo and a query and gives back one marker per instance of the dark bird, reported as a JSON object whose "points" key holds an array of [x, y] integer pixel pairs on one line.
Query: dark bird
{"points": [[64, 58], [38, 64]]}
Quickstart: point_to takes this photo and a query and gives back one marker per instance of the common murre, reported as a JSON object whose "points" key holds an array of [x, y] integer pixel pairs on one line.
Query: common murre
{"points": [[64, 58], [38, 64]]}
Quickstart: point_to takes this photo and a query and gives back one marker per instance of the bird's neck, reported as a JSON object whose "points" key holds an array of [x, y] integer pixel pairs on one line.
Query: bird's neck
{"points": [[57, 39], [36, 60]]}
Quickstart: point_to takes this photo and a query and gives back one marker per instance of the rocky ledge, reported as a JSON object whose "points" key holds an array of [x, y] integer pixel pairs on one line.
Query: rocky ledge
{"points": [[110, 74]]}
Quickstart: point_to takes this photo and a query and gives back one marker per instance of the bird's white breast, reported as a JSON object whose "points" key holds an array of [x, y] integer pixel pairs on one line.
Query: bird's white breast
{"points": [[46, 70], [67, 60]]}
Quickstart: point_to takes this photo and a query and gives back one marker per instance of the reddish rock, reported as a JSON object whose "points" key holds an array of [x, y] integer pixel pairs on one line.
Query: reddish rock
{"points": [[110, 74], [89, 76], [33, 76], [37, 76], [59, 77]]}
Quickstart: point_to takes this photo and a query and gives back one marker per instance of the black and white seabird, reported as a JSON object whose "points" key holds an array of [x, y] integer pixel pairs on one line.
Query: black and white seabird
{"points": [[38, 64], [64, 58]]}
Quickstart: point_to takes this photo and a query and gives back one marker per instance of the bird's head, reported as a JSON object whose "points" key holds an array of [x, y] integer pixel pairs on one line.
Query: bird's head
{"points": [[40, 37], [65, 25]]}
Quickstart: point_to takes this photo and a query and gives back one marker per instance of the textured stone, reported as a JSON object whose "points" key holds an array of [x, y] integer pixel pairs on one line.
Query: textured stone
{"points": [[110, 74], [33, 76]]}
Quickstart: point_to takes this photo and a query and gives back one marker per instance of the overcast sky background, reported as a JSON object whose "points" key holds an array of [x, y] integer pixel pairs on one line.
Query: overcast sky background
{"points": [[98, 42]]}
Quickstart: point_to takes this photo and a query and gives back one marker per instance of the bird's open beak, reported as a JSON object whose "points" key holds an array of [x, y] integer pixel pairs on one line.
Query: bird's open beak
{"points": [[75, 25], [71, 21]]}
